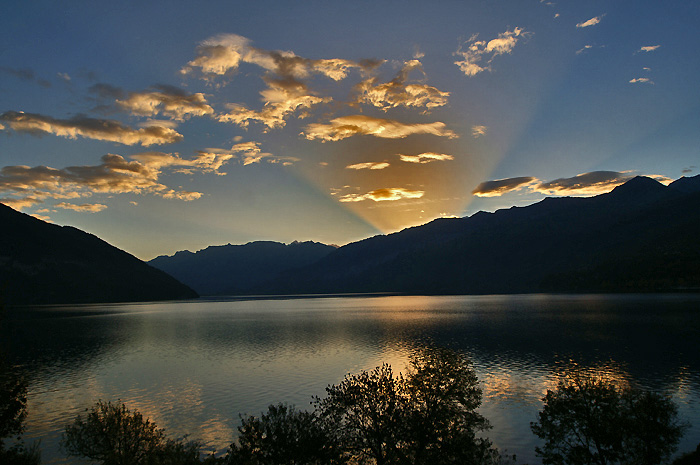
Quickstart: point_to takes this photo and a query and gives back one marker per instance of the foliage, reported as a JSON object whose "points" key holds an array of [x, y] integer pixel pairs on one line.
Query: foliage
{"points": [[114, 435], [592, 421], [284, 436], [427, 416]]}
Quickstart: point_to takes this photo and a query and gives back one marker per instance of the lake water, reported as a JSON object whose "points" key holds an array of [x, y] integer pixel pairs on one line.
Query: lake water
{"points": [[193, 366]]}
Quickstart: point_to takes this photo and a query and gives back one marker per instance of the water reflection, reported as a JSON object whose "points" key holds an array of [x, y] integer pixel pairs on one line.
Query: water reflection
{"points": [[193, 366]]}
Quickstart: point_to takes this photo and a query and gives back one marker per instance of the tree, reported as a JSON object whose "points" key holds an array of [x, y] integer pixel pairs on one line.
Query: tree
{"points": [[284, 436], [592, 421], [427, 416], [443, 394], [114, 435]]}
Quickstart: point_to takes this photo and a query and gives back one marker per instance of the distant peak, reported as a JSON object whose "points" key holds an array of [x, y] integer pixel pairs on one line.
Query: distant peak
{"points": [[639, 184]]}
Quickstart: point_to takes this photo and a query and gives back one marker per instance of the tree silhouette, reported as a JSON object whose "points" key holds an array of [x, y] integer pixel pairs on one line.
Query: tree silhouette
{"points": [[427, 416], [284, 436], [592, 421]]}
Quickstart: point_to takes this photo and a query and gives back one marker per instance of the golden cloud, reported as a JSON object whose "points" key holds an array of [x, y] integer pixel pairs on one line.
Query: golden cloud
{"points": [[501, 186], [591, 22], [384, 194], [90, 128], [27, 186], [642, 80], [224, 53], [282, 98], [348, 126], [397, 93], [168, 101], [649, 48], [592, 183], [85, 207], [368, 166], [252, 153], [476, 50], [425, 157], [478, 131]]}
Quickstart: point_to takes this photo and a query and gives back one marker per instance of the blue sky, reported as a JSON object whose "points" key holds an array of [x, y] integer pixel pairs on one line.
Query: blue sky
{"points": [[163, 126]]}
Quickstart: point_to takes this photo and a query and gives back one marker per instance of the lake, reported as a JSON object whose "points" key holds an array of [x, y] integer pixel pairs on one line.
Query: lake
{"points": [[193, 366]]}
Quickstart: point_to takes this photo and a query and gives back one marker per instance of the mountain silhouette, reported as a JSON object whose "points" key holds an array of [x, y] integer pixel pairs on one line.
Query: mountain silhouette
{"points": [[641, 236], [42, 263], [235, 269]]}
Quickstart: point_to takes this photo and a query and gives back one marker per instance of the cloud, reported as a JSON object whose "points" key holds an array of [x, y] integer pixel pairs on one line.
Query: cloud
{"points": [[166, 100], [471, 63], [425, 157], [385, 194], [368, 166], [90, 128], [586, 184], [397, 92], [591, 22], [348, 126], [585, 47], [24, 74], [223, 54], [642, 80], [502, 186], [107, 91], [252, 153], [592, 183], [281, 99], [478, 131], [83, 208], [20, 203], [27, 186], [649, 48], [285, 92]]}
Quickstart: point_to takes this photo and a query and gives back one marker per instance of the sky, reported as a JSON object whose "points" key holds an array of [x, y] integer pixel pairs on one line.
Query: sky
{"points": [[164, 126]]}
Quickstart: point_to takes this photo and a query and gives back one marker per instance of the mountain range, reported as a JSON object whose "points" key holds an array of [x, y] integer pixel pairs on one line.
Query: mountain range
{"points": [[641, 236], [43, 263], [235, 269]]}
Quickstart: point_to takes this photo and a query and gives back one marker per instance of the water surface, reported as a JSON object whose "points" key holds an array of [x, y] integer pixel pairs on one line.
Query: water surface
{"points": [[193, 366]]}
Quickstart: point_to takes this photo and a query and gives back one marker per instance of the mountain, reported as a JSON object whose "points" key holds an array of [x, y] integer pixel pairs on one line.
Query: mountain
{"points": [[642, 236], [42, 263], [235, 269]]}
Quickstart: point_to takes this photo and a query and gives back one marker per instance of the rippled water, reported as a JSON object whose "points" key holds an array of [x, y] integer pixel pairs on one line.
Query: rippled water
{"points": [[193, 366]]}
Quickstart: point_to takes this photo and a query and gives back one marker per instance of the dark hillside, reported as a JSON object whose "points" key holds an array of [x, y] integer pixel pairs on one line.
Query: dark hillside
{"points": [[42, 263]]}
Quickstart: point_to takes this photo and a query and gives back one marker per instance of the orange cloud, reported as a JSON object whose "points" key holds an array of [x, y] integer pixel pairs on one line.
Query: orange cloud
{"points": [[384, 194], [425, 157], [348, 126], [368, 166], [90, 128]]}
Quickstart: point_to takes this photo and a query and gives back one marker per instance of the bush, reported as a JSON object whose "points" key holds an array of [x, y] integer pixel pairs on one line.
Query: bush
{"points": [[113, 435]]}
